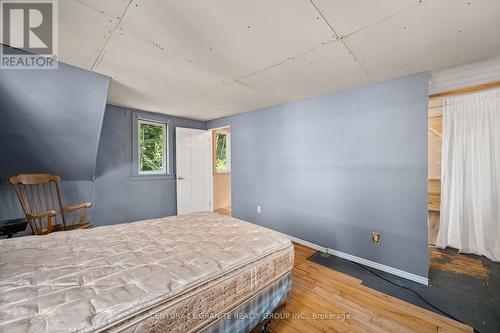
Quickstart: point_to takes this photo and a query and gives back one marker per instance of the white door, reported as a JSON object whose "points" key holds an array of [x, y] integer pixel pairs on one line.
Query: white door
{"points": [[193, 170]]}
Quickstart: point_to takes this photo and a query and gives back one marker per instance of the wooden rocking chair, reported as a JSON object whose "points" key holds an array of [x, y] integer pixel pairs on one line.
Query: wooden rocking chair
{"points": [[40, 198]]}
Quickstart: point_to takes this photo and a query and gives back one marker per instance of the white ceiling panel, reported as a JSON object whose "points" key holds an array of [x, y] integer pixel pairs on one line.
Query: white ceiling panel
{"points": [[148, 78], [83, 32], [208, 59], [347, 16], [222, 101], [230, 37], [326, 69], [112, 8], [436, 34]]}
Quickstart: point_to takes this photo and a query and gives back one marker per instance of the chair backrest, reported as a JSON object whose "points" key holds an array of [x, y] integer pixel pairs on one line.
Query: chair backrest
{"points": [[39, 194]]}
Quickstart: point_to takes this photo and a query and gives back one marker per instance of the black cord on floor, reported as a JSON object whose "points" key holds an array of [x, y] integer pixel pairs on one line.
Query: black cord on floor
{"points": [[416, 293]]}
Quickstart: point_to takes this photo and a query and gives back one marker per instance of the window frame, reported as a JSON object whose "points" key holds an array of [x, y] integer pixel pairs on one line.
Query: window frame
{"points": [[137, 118], [164, 171]]}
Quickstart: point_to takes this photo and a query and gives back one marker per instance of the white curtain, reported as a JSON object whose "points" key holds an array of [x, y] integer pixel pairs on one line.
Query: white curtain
{"points": [[470, 179]]}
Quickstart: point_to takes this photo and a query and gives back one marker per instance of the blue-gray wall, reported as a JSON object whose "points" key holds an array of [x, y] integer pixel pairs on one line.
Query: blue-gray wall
{"points": [[57, 121], [334, 168], [329, 170], [119, 198], [50, 120]]}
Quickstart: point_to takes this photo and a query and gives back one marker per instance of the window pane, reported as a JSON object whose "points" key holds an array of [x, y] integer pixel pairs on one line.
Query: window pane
{"points": [[151, 148], [221, 163]]}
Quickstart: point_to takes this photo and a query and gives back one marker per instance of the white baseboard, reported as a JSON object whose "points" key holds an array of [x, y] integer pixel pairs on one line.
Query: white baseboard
{"points": [[362, 261], [308, 244]]}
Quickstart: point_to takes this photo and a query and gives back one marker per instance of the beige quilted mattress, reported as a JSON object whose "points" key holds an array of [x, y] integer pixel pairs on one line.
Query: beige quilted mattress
{"points": [[170, 274]]}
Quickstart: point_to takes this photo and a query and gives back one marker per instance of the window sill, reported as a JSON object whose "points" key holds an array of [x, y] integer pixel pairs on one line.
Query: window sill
{"points": [[152, 177]]}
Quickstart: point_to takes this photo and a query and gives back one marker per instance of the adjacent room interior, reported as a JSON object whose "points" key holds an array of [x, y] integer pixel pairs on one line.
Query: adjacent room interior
{"points": [[250, 166]]}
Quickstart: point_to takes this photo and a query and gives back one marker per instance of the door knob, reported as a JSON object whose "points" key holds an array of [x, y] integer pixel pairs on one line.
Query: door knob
{"points": [[180, 178]]}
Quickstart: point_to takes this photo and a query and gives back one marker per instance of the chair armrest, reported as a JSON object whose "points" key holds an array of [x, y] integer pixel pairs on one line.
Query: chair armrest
{"points": [[78, 206], [50, 213]]}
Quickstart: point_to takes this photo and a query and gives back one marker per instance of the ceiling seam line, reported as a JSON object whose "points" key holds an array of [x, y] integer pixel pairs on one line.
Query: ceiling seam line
{"points": [[385, 18], [357, 61], [239, 79], [343, 42], [324, 19], [257, 90], [93, 8], [101, 52], [207, 91], [285, 60], [263, 69], [201, 93]]}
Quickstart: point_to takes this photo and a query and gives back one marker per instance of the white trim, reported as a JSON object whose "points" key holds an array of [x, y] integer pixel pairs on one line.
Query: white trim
{"points": [[362, 261], [464, 76], [163, 125], [210, 188], [308, 244], [381, 267]]}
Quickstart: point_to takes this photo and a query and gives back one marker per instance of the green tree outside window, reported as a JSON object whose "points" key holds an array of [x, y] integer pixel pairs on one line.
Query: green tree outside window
{"points": [[221, 153], [152, 157]]}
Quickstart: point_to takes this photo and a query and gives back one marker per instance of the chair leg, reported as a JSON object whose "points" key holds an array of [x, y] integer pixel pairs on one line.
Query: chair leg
{"points": [[82, 215], [34, 230]]}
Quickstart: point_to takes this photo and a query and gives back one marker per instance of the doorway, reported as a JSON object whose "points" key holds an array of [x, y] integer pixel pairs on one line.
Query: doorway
{"points": [[221, 166], [468, 180], [194, 176], [462, 261]]}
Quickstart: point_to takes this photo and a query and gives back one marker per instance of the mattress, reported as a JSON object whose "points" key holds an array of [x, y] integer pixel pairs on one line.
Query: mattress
{"points": [[174, 274], [247, 316]]}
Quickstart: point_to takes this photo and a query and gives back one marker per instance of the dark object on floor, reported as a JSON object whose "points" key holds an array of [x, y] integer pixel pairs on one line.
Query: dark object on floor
{"points": [[473, 298], [10, 227]]}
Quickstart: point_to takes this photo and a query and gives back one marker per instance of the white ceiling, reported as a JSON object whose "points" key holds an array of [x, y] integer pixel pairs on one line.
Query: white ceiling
{"points": [[205, 59]]}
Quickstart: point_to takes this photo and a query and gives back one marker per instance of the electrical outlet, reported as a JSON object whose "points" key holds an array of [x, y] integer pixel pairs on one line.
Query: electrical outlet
{"points": [[376, 238], [259, 210]]}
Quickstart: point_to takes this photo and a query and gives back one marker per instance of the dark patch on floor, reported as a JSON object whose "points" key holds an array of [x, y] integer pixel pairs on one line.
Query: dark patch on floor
{"points": [[472, 299], [444, 260]]}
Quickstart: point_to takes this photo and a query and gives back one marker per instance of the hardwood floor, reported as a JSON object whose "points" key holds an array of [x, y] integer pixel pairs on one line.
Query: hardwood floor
{"points": [[224, 211], [450, 260], [324, 300]]}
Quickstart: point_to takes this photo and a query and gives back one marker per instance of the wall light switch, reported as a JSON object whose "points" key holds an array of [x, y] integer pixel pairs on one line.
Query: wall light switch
{"points": [[375, 238], [259, 210]]}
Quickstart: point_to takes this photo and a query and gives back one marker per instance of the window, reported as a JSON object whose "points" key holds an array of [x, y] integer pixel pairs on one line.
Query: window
{"points": [[152, 148], [222, 152]]}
